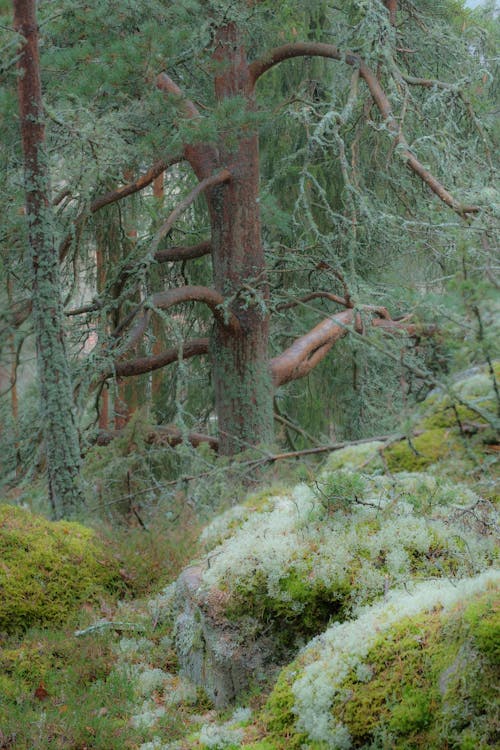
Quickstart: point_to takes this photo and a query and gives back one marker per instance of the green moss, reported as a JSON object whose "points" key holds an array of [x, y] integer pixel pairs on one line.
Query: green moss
{"points": [[425, 450], [365, 456], [278, 716], [59, 691], [432, 682], [485, 628], [47, 569]]}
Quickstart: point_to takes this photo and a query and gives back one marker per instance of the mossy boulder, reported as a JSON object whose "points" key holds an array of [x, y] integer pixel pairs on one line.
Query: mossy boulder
{"points": [[422, 451], [47, 569], [305, 557], [417, 671], [364, 457], [475, 386]]}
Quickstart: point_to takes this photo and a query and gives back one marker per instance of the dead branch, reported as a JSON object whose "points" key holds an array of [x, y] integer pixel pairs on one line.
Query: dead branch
{"points": [[318, 49], [162, 435], [386, 439], [142, 365], [183, 252], [136, 185], [345, 302]]}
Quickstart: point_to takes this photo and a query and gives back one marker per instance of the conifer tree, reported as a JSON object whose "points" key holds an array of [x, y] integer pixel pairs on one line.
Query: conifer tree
{"points": [[374, 148], [59, 429]]}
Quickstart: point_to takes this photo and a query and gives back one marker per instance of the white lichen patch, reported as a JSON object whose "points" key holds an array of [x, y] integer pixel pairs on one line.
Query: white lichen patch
{"points": [[326, 661], [147, 716], [355, 549]]}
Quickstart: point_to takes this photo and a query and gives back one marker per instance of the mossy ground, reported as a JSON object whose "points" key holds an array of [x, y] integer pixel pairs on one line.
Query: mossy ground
{"points": [[48, 570], [62, 691], [432, 683]]}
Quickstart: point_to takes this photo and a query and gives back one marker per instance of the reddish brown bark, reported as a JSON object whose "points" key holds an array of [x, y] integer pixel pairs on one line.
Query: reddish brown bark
{"points": [[163, 434], [392, 7], [157, 169], [183, 252]]}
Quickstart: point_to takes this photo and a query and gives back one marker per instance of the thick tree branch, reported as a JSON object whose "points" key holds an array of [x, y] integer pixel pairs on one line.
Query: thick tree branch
{"points": [[211, 298], [307, 351], [138, 184], [143, 365], [183, 252], [163, 435], [392, 7], [318, 49], [202, 157]]}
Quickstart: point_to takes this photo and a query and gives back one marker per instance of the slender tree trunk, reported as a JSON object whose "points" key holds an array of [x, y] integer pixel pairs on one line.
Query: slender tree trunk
{"points": [[243, 389], [60, 432]]}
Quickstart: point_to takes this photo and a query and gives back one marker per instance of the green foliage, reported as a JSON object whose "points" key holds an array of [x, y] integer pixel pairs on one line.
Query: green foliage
{"points": [[340, 489], [49, 570]]}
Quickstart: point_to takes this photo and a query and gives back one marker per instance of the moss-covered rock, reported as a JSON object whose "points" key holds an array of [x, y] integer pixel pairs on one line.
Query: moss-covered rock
{"points": [[364, 457], [47, 569], [422, 451], [418, 671], [277, 576]]}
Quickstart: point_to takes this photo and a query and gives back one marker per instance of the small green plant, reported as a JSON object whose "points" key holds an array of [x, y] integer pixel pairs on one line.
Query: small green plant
{"points": [[340, 489]]}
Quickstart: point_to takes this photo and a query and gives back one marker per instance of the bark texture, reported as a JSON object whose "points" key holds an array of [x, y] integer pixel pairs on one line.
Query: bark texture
{"points": [[243, 388], [60, 433]]}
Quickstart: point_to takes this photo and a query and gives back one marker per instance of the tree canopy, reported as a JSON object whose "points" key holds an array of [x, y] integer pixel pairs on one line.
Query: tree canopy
{"points": [[237, 189]]}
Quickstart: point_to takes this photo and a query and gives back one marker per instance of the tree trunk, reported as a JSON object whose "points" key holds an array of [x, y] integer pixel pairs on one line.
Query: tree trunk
{"points": [[60, 433], [240, 358]]}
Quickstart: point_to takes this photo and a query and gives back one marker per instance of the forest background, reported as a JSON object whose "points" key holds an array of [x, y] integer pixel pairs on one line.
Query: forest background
{"points": [[247, 226]]}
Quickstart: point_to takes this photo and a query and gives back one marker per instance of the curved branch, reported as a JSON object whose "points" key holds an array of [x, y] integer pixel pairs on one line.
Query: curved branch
{"points": [[183, 252], [142, 365], [168, 86], [113, 196], [138, 184], [316, 295], [319, 49], [223, 176], [307, 351], [211, 298], [202, 157]]}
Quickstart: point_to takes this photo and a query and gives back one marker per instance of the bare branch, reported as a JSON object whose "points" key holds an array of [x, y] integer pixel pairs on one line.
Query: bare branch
{"points": [[163, 435], [138, 184], [183, 252], [142, 365], [317, 49], [306, 352], [223, 176], [113, 196], [211, 298], [316, 295]]}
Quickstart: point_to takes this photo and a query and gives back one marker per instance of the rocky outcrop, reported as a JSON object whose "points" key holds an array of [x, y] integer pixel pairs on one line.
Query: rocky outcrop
{"points": [[219, 655]]}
